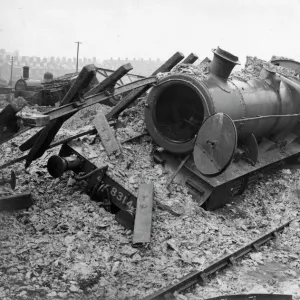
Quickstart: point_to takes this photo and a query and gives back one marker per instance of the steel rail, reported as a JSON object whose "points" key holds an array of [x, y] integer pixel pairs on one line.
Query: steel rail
{"points": [[200, 276]]}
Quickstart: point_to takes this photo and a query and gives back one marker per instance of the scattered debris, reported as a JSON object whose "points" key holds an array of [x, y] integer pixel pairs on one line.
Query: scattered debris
{"points": [[68, 246]]}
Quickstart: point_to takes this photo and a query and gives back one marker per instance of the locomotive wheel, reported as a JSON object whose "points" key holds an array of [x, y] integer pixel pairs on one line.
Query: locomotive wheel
{"points": [[215, 144]]}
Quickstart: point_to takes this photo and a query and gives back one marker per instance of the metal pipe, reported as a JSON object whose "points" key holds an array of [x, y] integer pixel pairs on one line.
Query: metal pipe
{"points": [[77, 55], [11, 70], [104, 168], [290, 82], [266, 117]]}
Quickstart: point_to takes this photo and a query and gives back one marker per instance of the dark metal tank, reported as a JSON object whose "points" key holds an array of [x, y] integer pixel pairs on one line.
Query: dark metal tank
{"points": [[177, 106]]}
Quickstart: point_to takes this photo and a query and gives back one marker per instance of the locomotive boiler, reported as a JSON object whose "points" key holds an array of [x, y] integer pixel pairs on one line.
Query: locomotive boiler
{"points": [[219, 131]]}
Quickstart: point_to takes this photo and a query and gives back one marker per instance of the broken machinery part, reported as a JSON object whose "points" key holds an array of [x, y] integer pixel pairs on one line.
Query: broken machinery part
{"points": [[100, 186]]}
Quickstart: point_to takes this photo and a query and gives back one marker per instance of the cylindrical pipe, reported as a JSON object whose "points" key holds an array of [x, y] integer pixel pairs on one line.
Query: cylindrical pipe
{"points": [[58, 165], [290, 82], [223, 63], [25, 72]]}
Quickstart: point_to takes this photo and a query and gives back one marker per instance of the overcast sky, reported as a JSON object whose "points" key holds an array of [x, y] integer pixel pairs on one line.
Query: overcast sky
{"points": [[150, 28]]}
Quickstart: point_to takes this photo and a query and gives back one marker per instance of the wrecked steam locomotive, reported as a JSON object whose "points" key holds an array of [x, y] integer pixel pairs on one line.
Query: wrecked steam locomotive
{"points": [[233, 128], [217, 130]]}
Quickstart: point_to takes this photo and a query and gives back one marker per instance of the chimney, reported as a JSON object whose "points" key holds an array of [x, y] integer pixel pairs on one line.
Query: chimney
{"points": [[223, 63], [25, 72]]}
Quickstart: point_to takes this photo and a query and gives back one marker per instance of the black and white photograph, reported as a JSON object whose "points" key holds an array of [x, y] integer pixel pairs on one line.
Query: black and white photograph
{"points": [[150, 150]]}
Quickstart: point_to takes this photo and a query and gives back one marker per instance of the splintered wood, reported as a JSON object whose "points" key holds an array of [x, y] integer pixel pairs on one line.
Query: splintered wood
{"points": [[106, 134], [143, 215]]}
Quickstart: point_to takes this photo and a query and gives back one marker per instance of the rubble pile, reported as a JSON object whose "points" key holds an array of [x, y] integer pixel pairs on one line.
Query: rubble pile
{"points": [[68, 247], [201, 71], [251, 70]]}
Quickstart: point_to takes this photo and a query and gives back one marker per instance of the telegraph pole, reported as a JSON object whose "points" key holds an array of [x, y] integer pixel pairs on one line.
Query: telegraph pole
{"points": [[77, 54], [11, 70]]}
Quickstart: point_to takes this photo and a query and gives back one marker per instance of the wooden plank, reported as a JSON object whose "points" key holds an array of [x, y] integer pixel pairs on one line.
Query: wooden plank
{"points": [[110, 80], [206, 60], [20, 201], [133, 95], [143, 214], [122, 105], [107, 82], [190, 59], [47, 134], [106, 134]]}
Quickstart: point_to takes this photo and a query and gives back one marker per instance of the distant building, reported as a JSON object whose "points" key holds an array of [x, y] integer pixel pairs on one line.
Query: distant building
{"points": [[59, 66]]}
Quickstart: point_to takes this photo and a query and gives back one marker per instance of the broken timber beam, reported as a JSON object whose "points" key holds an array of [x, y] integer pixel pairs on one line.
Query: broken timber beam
{"points": [[110, 81], [143, 215], [106, 134], [20, 201], [106, 83], [69, 109], [190, 59], [46, 135], [133, 95]]}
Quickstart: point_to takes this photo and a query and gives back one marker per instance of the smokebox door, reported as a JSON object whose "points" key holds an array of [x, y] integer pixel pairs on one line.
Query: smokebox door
{"points": [[215, 144]]}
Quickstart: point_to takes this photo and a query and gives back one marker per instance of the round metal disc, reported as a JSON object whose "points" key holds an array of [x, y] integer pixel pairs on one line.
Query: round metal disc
{"points": [[215, 144]]}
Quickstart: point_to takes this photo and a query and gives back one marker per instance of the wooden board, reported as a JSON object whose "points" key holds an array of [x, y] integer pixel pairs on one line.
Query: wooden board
{"points": [[190, 59], [20, 201], [110, 80], [106, 134], [133, 95], [143, 214], [44, 138], [106, 83]]}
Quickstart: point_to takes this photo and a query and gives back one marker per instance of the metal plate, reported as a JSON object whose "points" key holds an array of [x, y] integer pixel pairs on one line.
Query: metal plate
{"points": [[143, 215], [106, 134], [215, 144]]}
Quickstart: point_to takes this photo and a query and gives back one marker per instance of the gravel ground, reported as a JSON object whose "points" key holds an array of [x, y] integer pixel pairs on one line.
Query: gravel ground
{"points": [[68, 247]]}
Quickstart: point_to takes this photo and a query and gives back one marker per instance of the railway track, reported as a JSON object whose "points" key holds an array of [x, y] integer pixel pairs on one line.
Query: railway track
{"points": [[200, 277]]}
